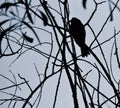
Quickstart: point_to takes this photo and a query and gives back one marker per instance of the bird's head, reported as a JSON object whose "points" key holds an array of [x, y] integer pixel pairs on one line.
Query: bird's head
{"points": [[74, 20]]}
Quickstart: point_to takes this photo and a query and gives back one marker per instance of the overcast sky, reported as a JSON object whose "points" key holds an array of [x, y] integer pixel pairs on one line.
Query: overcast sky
{"points": [[25, 64]]}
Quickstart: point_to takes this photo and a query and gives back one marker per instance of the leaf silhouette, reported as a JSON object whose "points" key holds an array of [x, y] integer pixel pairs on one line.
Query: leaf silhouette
{"points": [[29, 39], [11, 12], [31, 28], [27, 12], [111, 17], [4, 32], [29, 16], [7, 5], [84, 3], [44, 18]]}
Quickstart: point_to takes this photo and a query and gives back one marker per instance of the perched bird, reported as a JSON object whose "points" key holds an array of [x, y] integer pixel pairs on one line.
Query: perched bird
{"points": [[78, 32]]}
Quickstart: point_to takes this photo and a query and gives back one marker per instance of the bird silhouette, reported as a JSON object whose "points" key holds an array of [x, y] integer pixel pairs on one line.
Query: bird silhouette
{"points": [[77, 31]]}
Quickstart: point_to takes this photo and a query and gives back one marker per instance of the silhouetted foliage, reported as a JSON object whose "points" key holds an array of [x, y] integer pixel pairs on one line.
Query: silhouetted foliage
{"points": [[27, 38], [84, 3], [49, 33], [44, 18]]}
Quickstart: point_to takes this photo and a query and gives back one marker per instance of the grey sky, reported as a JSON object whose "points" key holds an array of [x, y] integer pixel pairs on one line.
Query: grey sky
{"points": [[25, 64]]}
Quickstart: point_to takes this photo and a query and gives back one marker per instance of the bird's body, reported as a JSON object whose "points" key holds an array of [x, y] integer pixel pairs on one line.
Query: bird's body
{"points": [[77, 31]]}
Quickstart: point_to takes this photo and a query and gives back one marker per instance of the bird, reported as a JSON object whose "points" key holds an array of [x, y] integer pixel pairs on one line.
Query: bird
{"points": [[77, 31]]}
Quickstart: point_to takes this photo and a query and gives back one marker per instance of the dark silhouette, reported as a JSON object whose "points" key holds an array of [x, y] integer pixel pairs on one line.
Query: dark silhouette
{"points": [[77, 31]]}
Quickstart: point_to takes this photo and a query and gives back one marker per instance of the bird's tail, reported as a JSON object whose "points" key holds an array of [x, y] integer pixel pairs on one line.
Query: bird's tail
{"points": [[85, 50]]}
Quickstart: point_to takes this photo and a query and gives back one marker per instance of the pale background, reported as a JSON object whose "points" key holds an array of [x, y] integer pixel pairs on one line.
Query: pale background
{"points": [[25, 64]]}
